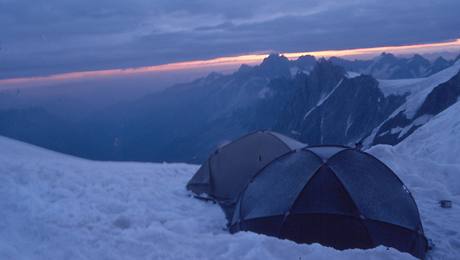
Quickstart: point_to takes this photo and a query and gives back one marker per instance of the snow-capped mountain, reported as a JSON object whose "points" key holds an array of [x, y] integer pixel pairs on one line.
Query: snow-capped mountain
{"points": [[316, 101], [425, 98], [389, 66], [334, 108], [439, 64], [327, 105]]}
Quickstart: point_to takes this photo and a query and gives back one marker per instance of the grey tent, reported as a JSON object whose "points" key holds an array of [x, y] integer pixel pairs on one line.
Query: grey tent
{"points": [[333, 195], [227, 171]]}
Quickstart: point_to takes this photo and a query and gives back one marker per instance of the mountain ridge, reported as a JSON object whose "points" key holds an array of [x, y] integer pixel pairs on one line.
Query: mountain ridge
{"points": [[320, 104]]}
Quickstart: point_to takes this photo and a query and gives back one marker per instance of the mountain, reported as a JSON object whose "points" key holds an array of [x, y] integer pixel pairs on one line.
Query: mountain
{"points": [[316, 101], [303, 64], [425, 98], [439, 64], [333, 108], [273, 66], [389, 66], [325, 105], [185, 122], [351, 65]]}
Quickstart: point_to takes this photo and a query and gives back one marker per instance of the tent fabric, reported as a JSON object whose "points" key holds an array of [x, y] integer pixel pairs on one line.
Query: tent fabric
{"points": [[228, 170], [333, 195], [200, 181]]}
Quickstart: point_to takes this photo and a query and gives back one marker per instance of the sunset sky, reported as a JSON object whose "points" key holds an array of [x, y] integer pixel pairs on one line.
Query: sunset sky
{"points": [[223, 63], [59, 40]]}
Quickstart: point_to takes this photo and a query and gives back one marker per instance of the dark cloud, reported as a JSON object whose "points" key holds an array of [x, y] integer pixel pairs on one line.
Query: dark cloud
{"points": [[50, 36]]}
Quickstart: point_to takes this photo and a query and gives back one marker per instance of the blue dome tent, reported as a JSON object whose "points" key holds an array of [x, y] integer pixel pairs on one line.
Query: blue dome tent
{"points": [[333, 195]]}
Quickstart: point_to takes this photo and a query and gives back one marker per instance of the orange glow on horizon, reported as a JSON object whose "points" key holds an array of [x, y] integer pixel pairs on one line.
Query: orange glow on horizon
{"points": [[430, 47], [230, 62], [187, 65]]}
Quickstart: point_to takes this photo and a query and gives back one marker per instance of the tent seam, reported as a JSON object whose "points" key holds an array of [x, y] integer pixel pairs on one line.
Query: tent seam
{"points": [[277, 138], [297, 197], [353, 201], [240, 195]]}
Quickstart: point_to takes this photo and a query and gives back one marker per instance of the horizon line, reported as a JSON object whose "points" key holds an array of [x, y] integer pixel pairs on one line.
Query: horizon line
{"points": [[233, 61]]}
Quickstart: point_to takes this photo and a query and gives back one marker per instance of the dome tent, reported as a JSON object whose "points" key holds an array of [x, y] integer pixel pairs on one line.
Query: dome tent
{"points": [[333, 195], [228, 170]]}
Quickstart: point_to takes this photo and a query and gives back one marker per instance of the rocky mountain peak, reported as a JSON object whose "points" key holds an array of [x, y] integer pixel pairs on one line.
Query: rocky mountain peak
{"points": [[305, 62], [325, 68], [417, 59], [275, 65], [386, 57]]}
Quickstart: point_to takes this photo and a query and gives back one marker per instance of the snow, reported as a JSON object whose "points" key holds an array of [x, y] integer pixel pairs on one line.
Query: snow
{"points": [[417, 89], [352, 74], [292, 143], [384, 72], [294, 71], [264, 93], [55, 206], [309, 112], [330, 93], [428, 163], [441, 138], [404, 130], [323, 99], [349, 124], [398, 86], [429, 183]]}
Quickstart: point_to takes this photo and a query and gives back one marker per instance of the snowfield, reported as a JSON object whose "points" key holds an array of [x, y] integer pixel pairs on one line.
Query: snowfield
{"points": [[428, 162], [438, 140], [416, 89], [60, 207], [55, 206]]}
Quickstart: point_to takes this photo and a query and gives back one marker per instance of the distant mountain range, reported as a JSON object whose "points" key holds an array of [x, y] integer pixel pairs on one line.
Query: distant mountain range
{"points": [[388, 66], [316, 101]]}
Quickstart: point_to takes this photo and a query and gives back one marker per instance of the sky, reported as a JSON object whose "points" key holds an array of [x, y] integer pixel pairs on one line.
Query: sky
{"points": [[46, 37]]}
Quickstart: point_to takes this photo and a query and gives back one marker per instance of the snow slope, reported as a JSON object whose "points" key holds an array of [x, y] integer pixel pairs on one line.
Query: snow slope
{"points": [[417, 89], [54, 206], [428, 161], [441, 138]]}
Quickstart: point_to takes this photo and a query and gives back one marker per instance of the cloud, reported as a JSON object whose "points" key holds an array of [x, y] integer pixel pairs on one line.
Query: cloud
{"points": [[51, 36]]}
